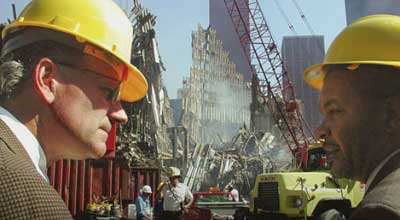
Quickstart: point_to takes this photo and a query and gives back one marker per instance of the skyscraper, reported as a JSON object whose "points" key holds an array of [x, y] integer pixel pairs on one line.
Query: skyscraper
{"points": [[298, 53], [215, 98], [359, 8], [221, 22]]}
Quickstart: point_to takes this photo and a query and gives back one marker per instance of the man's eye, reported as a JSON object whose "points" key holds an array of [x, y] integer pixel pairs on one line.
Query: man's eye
{"points": [[334, 111], [108, 92]]}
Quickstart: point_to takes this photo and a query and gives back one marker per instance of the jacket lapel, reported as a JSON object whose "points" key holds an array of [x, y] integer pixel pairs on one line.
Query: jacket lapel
{"points": [[13, 143]]}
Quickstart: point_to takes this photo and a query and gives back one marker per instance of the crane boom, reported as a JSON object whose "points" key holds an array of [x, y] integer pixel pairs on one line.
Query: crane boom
{"points": [[273, 80]]}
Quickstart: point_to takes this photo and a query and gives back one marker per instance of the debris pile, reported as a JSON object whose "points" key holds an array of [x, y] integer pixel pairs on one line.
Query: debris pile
{"points": [[145, 137], [237, 162]]}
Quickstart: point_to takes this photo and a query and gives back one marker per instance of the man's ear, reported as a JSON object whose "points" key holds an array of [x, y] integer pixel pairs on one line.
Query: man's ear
{"points": [[44, 80]]}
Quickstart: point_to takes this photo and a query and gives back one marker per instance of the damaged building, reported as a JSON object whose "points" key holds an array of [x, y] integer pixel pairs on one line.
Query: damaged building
{"points": [[234, 135], [215, 97], [145, 138]]}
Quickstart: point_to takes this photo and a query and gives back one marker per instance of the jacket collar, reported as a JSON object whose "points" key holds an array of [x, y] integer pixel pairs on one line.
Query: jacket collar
{"points": [[22, 141]]}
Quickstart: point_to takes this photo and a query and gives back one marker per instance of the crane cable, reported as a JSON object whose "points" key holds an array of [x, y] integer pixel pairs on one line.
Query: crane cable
{"points": [[307, 125], [291, 27], [303, 17]]}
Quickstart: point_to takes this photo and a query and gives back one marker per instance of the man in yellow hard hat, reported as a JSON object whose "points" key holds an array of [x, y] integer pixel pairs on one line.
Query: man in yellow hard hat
{"points": [[65, 67], [360, 100], [176, 196]]}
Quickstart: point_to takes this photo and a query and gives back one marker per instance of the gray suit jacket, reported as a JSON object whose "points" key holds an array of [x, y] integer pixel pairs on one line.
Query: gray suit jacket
{"points": [[24, 194], [382, 201]]}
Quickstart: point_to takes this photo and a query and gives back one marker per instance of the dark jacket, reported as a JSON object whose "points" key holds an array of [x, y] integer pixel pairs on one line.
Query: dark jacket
{"points": [[382, 201], [24, 194]]}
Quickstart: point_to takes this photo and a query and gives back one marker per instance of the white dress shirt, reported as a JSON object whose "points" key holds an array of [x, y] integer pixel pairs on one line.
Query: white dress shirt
{"points": [[27, 140]]}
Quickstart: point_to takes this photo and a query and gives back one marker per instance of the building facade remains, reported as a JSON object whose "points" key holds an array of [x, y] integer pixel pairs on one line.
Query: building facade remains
{"points": [[215, 97]]}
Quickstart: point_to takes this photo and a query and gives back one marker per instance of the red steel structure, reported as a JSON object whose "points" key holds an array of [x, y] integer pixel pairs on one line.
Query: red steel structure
{"points": [[273, 80], [77, 181]]}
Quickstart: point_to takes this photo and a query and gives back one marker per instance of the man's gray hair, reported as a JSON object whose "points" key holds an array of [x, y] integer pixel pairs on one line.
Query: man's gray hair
{"points": [[17, 66], [12, 73]]}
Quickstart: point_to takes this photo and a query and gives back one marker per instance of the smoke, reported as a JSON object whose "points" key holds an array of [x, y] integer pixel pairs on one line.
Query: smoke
{"points": [[229, 107]]}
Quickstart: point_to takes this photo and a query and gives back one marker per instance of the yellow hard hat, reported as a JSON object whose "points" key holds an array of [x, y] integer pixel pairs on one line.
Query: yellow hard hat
{"points": [[100, 24], [372, 39], [173, 171]]}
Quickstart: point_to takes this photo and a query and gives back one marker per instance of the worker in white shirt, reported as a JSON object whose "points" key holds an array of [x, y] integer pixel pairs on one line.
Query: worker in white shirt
{"points": [[176, 195], [234, 196]]}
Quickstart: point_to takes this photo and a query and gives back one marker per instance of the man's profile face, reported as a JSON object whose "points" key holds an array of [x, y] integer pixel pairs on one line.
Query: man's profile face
{"points": [[349, 127], [84, 109]]}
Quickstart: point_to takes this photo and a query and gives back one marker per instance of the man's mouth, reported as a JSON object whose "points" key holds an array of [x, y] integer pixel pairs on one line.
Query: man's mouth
{"points": [[332, 156], [331, 150], [107, 130]]}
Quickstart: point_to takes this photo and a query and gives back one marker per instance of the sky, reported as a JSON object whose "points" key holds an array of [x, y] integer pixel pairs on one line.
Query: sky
{"points": [[176, 19]]}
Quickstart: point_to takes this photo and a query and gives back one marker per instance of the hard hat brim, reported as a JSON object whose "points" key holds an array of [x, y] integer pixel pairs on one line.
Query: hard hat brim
{"points": [[133, 88], [315, 74]]}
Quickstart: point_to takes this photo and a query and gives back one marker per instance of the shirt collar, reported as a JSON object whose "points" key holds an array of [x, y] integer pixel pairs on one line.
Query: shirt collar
{"points": [[27, 140], [378, 168]]}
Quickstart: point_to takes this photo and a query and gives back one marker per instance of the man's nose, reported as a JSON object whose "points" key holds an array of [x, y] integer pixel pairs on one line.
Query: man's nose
{"points": [[322, 132], [117, 114]]}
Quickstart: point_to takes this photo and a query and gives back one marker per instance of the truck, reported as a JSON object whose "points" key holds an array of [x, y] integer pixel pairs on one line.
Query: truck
{"points": [[221, 204], [304, 194]]}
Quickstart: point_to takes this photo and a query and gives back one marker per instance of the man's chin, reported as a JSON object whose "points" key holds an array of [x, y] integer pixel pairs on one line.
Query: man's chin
{"points": [[98, 150]]}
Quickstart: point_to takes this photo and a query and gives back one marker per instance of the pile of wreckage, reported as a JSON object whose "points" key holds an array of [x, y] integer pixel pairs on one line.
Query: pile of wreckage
{"points": [[146, 137], [236, 162]]}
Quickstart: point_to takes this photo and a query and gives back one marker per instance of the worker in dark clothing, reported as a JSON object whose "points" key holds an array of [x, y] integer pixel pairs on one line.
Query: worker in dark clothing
{"points": [[158, 208]]}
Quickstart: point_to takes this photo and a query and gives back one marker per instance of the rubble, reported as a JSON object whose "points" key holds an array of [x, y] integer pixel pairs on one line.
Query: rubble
{"points": [[216, 111], [144, 139], [237, 162]]}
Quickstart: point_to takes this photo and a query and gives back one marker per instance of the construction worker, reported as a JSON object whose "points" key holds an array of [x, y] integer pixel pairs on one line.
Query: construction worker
{"points": [[65, 66], [176, 195], [234, 196], [158, 208], [359, 81], [143, 206]]}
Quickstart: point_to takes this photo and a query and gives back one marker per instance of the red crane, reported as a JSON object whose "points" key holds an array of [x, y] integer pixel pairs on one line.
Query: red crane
{"points": [[273, 80]]}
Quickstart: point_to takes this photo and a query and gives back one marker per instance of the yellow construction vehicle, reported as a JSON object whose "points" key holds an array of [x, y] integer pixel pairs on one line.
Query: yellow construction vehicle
{"points": [[304, 194]]}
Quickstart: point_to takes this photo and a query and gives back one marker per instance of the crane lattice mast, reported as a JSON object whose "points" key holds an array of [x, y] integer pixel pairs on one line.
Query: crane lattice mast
{"points": [[273, 80]]}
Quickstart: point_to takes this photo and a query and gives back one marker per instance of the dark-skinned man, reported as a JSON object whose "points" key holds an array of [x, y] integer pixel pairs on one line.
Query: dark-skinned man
{"points": [[360, 101]]}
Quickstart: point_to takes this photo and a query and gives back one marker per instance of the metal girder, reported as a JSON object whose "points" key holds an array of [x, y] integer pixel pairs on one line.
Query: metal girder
{"points": [[267, 65]]}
